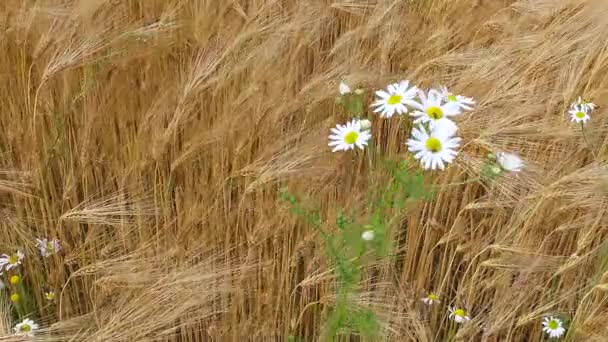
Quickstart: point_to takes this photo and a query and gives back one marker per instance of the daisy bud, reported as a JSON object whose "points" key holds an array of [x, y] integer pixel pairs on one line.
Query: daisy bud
{"points": [[496, 170], [509, 162], [15, 279], [15, 298], [344, 88], [365, 124], [368, 235], [360, 91], [491, 156]]}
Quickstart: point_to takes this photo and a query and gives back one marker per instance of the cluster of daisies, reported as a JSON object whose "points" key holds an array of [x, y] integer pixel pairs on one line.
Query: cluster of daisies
{"points": [[552, 326], [434, 143], [433, 138], [10, 264]]}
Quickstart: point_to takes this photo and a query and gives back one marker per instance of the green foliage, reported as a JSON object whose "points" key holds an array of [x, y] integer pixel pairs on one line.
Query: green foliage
{"points": [[353, 103], [349, 254]]}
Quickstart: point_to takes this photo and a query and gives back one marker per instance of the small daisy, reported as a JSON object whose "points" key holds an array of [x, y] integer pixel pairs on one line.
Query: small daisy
{"points": [[349, 136], [368, 235], [430, 299], [434, 109], [50, 296], [27, 327], [579, 114], [436, 149], [394, 99], [11, 261], [48, 247], [553, 327], [587, 106], [462, 102], [509, 162], [458, 315], [344, 88]]}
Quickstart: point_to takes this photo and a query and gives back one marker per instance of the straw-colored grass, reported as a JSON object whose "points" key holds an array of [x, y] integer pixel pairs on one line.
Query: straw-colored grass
{"points": [[152, 138]]}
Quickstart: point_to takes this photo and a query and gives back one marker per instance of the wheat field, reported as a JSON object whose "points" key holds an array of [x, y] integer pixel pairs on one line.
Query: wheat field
{"points": [[153, 138]]}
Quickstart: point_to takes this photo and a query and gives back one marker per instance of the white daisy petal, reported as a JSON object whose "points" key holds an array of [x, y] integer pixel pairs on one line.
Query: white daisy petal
{"points": [[350, 137], [553, 327], [579, 114], [436, 150], [458, 102], [458, 315], [27, 327], [394, 99]]}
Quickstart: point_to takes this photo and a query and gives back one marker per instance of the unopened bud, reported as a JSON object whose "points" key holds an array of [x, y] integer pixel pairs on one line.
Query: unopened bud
{"points": [[359, 91], [344, 88], [368, 235], [365, 124], [15, 298], [496, 170]]}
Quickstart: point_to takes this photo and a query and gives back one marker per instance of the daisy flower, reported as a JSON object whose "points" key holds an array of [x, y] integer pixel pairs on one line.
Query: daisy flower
{"points": [[27, 327], [462, 102], [48, 247], [436, 149], [579, 114], [394, 99], [434, 109], [430, 299], [349, 136], [553, 327], [344, 88], [458, 315], [11, 261], [368, 235], [50, 296], [587, 106], [509, 162]]}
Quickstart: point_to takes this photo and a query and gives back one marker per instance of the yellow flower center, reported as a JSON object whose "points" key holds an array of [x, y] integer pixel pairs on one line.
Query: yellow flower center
{"points": [[15, 279], [460, 313], [394, 99], [50, 296], [49, 246], [13, 259], [434, 113], [452, 98], [15, 297], [25, 328], [433, 145], [553, 324], [351, 138], [580, 115], [432, 296]]}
